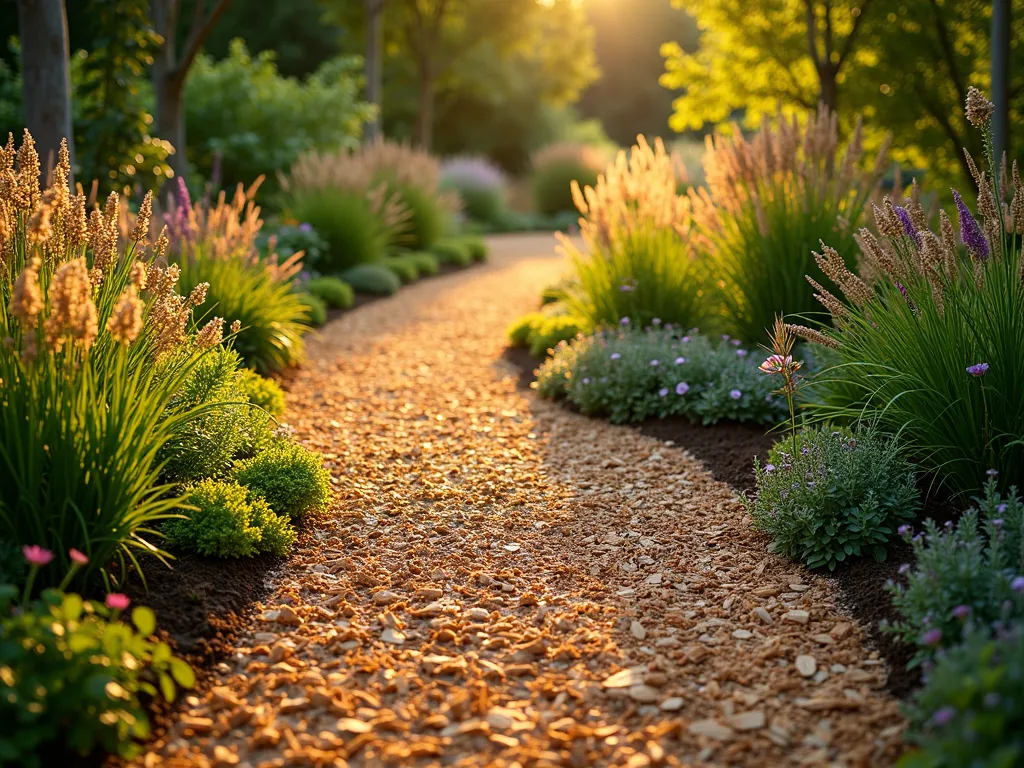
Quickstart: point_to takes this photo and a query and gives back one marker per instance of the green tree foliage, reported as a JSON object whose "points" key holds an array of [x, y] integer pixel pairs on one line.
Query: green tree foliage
{"points": [[905, 66]]}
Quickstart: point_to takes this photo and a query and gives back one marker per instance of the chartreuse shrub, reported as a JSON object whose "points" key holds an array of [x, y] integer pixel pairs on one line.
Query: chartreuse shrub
{"points": [[376, 279], [638, 261], [769, 201], [316, 308], [426, 262], [543, 330], [72, 673], [291, 479], [333, 291], [229, 521], [402, 267], [477, 246], [556, 168], [970, 572], [453, 251], [970, 711], [630, 374], [930, 348], [827, 495], [262, 392]]}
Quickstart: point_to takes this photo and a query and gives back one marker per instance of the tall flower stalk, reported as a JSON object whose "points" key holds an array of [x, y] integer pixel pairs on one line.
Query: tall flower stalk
{"points": [[780, 362]]}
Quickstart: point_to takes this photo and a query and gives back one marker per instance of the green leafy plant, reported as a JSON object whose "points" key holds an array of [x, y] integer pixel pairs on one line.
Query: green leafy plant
{"points": [[72, 674], [426, 262], [402, 267], [229, 522], [372, 278], [769, 201], [287, 240], [428, 216], [451, 251], [930, 348], [333, 291], [632, 374], [316, 308], [262, 392], [291, 479], [971, 571], [477, 246], [840, 495], [556, 167], [970, 711], [541, 331]]}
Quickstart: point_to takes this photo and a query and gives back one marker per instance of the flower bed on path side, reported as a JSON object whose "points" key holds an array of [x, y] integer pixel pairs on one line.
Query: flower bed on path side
{"points": [[503, 580]]}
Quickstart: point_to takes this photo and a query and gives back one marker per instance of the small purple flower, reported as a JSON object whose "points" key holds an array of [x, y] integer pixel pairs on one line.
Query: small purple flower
{"points": [[586, 380], [655, 363], [1001, 508], [908, 225], [682, 388], [804, 451], [656, 321], [685, 339], [904, 530], [741, 353], [1017, 585], [970, 233], [962, 612], [735, 394], [614, 356], [624, 322], [904, 569], [735, 342], [725, 337], [932, 637], [627, 288], [998, 523], [978, 370], [305, 227], [663, 392], [769, 467], [680, 360], [992, 472], [944, 716]]}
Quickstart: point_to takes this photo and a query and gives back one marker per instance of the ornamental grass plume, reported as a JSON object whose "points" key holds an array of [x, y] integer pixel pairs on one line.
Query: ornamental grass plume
{"points": [[767, 200], [924, 311]]}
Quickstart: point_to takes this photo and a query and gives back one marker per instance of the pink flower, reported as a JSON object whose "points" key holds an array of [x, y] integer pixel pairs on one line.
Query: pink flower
{"points": [[77, 557], [117, 601], [36, 555], [932, 637]]}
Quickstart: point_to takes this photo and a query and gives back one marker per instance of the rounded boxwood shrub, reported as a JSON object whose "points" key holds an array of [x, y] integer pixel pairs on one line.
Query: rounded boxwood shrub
{"points": [[228, 521], [333, 291], [452, 252], [403, 268], [291, 479], [832, 496], [477, 246], [372, 278], [262, 392], [316, 309], [426, 263]]}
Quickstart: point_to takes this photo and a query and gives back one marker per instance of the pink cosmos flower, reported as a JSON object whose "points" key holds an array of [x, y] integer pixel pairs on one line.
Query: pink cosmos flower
{"points": [[117, 601], [36, 555], [77, 557]]}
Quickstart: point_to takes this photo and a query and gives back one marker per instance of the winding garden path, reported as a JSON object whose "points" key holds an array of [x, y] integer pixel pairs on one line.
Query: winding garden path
{"points": [[503, 582]]}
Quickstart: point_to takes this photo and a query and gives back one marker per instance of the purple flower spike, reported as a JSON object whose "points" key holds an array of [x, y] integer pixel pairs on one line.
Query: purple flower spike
{"points": [[970, 233], [735, 394], [1017, 585], [978, 370], [682, 388], [908, 226], [944, 716], [932, 637], [962, 612]]}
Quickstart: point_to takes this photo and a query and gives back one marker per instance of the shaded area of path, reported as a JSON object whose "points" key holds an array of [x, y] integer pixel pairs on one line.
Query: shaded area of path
{"points": [[502, 582]]}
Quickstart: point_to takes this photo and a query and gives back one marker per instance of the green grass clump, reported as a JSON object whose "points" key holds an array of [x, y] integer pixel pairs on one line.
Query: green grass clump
{"points": [[451, 251], [372, 278], [355, 229], [228, 522], [291, 479], [402, 267], [427, 219], [316, 309], [333, 291]]}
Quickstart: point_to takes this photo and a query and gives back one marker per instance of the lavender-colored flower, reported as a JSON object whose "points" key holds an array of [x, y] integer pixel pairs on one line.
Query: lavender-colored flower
{"points": [[998, 523], [769, 467], [978, 370], [663, 392], [656, 321], [475, 173], [741, 353], [586, 380], [970, 232], [680, 360], [305, 227], [904, 530], [626, 288], [992, 472], [735, 342], [932, 637], [908, 225], [944, 716], [735, 394], [904, 569], [903, 292], [725, 337], [804, 451], [655, 363], [685, 339], [682, 388], [1001, 508], [962, 612], [1017, 585], [614, 356]]}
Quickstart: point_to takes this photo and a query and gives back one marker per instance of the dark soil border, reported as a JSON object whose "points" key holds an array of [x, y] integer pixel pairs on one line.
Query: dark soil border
{"points": [[727, 450]]}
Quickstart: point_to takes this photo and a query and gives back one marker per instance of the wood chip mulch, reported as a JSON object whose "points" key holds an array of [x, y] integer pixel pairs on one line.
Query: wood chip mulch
{"points": [[503, 582]]}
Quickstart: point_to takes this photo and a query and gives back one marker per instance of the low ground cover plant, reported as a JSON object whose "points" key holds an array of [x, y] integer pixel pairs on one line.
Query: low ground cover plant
{"points": [[826, 495], [929, 342], [375, 279], [631, 374], [333, 291], [289, 477], [542, 331]]}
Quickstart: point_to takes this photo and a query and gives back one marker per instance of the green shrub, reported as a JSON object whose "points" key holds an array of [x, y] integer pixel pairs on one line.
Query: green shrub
{"points": [[229, 522], [291, 479], [262, 392], [540, 331], [633, 374], [354, 231], [72, 676], [316, 308], [403, 268], [971, 571], [372, 278], [425, 262], [555, 168], [840, 495], [970, 711], [450, 251], [767, 212], [520, 330], [480, 185], [477, 246], [269, 119], [334, 292], [273, 317], [288, 240], [427, 218]]}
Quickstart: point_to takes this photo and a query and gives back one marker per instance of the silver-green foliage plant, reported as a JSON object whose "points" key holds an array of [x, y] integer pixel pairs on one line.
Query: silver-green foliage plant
{"points": [[632, 374], [840, 495]]}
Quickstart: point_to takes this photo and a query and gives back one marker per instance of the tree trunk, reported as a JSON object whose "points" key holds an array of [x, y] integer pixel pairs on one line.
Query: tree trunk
{"points": [[829, 90], [169, 119], [374, 80], [425, 114], [46, 74]]}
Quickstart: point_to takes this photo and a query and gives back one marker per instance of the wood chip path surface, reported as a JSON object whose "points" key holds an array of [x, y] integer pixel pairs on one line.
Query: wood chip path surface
{"points": [[503, 582]]}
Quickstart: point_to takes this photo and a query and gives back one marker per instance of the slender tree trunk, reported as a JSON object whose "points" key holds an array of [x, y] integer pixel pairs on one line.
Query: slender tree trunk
{"points": [[1001, 13], [169, 119], [425, 113], [46, 74], [374, 79], [829, 90]]}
